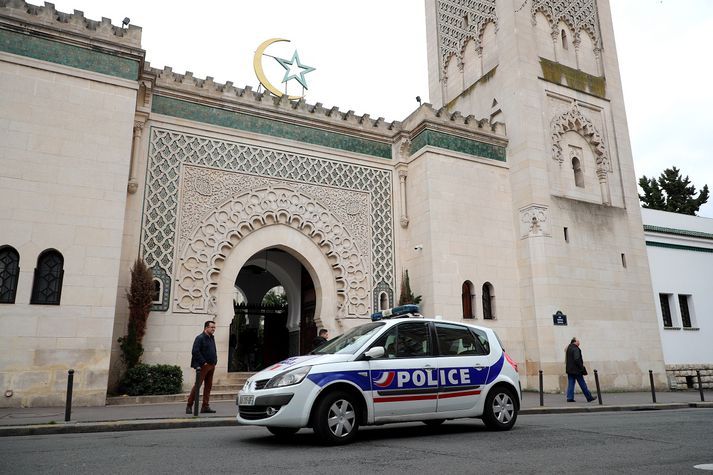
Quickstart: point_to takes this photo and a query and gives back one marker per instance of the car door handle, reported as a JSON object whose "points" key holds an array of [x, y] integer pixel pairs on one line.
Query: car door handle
{"points": [[428, 368]]}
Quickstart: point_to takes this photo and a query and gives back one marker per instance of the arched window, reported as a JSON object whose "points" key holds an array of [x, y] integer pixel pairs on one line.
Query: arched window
{"points": [[9, 272], [467, 296], [488, 301], [47, 284], [157, 298], [564, 40], [578, 175], [383, 301]]}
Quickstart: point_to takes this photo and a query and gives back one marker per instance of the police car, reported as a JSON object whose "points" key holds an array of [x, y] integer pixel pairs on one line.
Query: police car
{"points": [[399, 367]]}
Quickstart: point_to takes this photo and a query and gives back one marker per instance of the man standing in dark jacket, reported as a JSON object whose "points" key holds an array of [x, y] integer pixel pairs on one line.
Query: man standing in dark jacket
{"points": [[576, 371], [204, 357]]}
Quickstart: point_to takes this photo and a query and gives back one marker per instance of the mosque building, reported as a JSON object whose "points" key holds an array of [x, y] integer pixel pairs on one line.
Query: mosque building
{"points": [[510, 199]]}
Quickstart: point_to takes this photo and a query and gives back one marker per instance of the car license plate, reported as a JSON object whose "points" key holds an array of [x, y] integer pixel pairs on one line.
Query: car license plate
{"points": [[246, 400]]}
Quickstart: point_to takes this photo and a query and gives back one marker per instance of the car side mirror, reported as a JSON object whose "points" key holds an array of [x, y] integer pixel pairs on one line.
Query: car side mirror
{"points": [[375, 352]]}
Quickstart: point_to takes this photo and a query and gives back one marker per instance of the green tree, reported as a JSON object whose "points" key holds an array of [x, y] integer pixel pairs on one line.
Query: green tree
{"points": [[407, 295], [140, 296], [275, 297], [672, 192]]}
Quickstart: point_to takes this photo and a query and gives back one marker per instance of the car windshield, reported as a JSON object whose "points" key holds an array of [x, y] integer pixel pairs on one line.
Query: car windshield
{"points": [[351, 341]]}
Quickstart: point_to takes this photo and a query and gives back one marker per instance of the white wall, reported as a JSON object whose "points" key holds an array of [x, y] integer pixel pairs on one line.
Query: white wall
{"points": [[679, 271]]}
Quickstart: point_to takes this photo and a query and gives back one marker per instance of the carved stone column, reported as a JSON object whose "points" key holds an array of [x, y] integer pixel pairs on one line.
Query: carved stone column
{"points": [[133, 182], [403, 173], [604, 185]]}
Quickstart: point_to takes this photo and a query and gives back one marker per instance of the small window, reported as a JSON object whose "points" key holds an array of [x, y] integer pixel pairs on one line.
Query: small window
{"points": [[9, 272], [666, 310], [566, 235], [383, 301], [157, 298], [455, 340], [578, 174], [564, 40], [482, 340], [685, 310], [488, 301], [623, 260], [47, 285], [467, 296]]}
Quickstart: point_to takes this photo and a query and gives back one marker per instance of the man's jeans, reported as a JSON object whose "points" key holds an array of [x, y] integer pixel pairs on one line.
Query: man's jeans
{"points": [[582, 384], [206, 376]]}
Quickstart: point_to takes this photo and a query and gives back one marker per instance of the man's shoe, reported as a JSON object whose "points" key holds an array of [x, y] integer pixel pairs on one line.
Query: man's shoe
{"points": [[189, 410], [207, 410], [594, 398], [571, 400]]}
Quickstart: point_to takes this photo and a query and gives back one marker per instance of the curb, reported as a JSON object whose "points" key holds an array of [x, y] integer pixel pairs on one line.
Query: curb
{"points": [[115, 426], [184, 423]]}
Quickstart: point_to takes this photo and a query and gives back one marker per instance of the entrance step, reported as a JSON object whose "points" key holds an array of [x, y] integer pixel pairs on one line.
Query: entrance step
{"points": [[224, 389]]}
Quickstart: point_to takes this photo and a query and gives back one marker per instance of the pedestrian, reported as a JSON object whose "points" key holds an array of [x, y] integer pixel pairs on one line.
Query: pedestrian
{"points": [[321, 339], [576, 371], [204, 357]]}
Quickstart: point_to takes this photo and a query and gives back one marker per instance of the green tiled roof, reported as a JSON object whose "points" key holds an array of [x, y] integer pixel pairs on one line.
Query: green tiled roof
{"points": [[678, 232], [68, 55], [457, 144], [237, 120], [678, 247]]}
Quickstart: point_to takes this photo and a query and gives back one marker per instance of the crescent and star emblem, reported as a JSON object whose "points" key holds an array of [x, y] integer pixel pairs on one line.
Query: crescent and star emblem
{"points": [[294, 69]]}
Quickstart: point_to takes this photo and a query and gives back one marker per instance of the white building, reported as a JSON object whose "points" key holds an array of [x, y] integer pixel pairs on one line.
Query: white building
{"points": [[680, 250]]}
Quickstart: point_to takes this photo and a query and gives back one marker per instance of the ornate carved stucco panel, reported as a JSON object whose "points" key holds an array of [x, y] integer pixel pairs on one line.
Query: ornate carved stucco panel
{"points": [[577, 14], [458, 22], [169, 150], [336, 220], [572, 119]]}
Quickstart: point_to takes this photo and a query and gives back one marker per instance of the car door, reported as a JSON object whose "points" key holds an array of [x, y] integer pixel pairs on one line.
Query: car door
{"points": [[464, 359], [404, 381]]}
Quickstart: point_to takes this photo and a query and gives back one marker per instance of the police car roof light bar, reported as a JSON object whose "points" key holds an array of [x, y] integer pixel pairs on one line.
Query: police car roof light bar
{"points": [[402, 311]]}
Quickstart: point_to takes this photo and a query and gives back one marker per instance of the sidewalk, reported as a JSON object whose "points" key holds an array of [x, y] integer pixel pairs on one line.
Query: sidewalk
{"points": [[37, 420]]}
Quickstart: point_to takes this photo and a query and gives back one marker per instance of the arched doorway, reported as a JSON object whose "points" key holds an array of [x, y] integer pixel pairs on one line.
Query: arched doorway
{"points": [[274, 318]]}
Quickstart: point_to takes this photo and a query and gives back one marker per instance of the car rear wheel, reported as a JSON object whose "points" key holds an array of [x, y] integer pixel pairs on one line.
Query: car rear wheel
{"points": [[336, 418], [500, 411], [283, 431]]}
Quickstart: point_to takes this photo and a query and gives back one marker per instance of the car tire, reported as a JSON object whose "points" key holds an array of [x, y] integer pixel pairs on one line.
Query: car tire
{"points": [[500, 412], [434, 422], [282, 432], [336, 419]]}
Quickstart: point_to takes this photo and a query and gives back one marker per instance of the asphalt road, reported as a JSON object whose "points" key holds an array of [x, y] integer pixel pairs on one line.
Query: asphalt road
{"points": [[616, 442]]}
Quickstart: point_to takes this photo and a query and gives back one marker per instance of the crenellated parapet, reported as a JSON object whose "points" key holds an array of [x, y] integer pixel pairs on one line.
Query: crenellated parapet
{"points": [[208, 92], [73, 23]]}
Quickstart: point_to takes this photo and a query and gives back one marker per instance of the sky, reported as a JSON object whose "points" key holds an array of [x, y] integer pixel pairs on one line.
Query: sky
{"points": [[370, 57]]}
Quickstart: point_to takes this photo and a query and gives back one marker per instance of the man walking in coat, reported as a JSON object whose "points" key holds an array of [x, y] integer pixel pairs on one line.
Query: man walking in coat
{"points": [[204, 357], [576, 371]]}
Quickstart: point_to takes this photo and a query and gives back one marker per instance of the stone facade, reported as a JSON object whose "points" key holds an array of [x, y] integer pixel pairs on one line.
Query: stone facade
{"points": [[108, 159]]}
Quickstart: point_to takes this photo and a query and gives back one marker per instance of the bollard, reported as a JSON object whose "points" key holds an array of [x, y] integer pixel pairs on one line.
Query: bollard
{"points": [[653, 390], [198, 392], [68, 404], [599, 390], [542, 394], [700, 385]]}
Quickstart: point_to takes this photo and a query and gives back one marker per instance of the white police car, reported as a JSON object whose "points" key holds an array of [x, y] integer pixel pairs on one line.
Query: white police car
{"points": [[395, 369]]}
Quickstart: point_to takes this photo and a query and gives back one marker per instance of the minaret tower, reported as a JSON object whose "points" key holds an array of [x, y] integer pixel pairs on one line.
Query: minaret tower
{"points": [[548, 70]]}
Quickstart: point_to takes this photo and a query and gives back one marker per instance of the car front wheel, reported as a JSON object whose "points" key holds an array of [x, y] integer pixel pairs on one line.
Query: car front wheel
{"points": [[500, 411], [336, 418]]}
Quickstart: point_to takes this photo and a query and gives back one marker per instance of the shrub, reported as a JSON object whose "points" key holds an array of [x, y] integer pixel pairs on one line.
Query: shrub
{"points": [[145, 379]]}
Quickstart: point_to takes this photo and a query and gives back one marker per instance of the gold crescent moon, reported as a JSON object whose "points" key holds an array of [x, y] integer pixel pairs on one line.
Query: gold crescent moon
{"points": [[260, 73]]}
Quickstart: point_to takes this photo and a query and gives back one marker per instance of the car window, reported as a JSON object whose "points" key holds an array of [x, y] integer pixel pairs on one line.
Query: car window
{"points": [[456, 340], [405, 340], [481, 340], [351, 341]]}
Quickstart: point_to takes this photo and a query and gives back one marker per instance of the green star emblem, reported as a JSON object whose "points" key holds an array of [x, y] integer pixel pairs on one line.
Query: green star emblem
{"points": [[294, 69]]}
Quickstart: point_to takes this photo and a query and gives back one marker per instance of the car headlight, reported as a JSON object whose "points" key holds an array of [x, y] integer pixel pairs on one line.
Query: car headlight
{"points": [[288, 378]]}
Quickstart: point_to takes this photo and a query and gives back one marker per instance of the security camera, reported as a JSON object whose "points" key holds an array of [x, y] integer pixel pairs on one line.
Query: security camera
{"points": [[418, 247]]}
